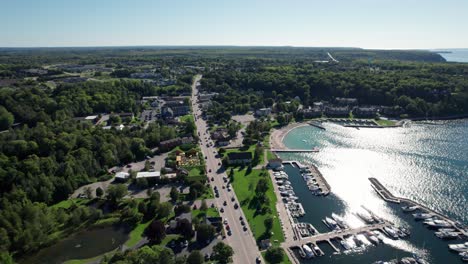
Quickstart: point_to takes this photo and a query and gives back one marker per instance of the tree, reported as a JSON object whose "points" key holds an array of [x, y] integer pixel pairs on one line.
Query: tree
{"points": [[185, 228], [116, 192], [6, 118], [203, 206], [164, 210], [222, 252], [6, 258], [274, 255], [262, 186], [174, 194], [182, 208], [268, 223], [195, 257], [88, 192], [156, 231], [205, 232], [99, 192], [231, 175]]}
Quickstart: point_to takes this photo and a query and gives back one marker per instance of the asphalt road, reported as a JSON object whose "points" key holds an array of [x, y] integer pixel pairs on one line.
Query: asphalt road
{"points": [[242, 242]]}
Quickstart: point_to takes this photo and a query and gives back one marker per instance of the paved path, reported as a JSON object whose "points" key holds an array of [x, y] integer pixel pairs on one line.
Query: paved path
{"points": [[242, 242]]}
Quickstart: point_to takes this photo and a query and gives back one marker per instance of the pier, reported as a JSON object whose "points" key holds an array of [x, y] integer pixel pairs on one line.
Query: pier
{"points": [[327, 237], [294, 150], [315, 124], [322, 183], [389, 197]]}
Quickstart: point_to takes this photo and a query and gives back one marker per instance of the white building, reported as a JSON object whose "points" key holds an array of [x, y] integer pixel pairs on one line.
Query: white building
{"points": [[148, 174], [122, 175]]}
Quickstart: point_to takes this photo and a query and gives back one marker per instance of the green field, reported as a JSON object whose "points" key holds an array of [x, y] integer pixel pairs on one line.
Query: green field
{"points": [[382, 122], [68, 203], [136, 234], [210, 212], [244, 186]]}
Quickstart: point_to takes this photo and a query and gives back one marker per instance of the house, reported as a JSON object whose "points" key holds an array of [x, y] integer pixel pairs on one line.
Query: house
{"points": [[126, 115], [167, 113], [263, 112], [346, 101], [223, 142], [275, 163], [148, 174], [337, 111], [204, 97], [186, 140], [217, 222], [265, 244], [311, 112], [174, 224], [239, 157], [122, 176], [220, 134], [370, 111]]}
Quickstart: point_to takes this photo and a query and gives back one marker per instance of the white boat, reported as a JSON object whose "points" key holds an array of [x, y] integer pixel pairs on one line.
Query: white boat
{"points": [[422, 216], [316, 250], [308, 251], [339, 220], [409, 208], [438, 223], [345, 244], [391, 232], [459, 247], [447, 235]]}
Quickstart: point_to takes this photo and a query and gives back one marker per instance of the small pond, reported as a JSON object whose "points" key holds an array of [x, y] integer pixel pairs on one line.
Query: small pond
{"points": [[82, 245]]}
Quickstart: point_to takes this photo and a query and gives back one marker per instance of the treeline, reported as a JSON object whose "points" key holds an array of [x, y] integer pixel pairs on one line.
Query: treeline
{"points": [[419, 89]]}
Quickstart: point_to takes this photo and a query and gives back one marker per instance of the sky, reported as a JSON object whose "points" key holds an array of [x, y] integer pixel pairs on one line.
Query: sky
{"points": [[375, 24]]}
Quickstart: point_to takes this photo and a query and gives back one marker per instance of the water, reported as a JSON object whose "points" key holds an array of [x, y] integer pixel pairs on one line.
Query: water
{"points": [[456, 55], [427, 163], [83, 245]]}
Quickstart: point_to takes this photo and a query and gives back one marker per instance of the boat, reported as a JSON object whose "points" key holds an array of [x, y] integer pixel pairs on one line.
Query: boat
{"points": [[367, 218], [408, 260], [308, 251], [345, 244], [339, 220], [447, 230], [409, 208], [316, 250], [331, 223], [437, 223], [372, 238], [392, 233], [459, 247], [422, 216], [447, 235], [464, 256]]}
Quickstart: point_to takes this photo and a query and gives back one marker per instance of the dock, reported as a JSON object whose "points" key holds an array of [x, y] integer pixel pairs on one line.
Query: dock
{"points": [[295, 150], [315, 124], [321, 181], [340, 234], [389, 197]]}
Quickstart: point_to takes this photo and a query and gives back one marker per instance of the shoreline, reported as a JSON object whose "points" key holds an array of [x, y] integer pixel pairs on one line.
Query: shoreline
{"points": [[277, 135]]}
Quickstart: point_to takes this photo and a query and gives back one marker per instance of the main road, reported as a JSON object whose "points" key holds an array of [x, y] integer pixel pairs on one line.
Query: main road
{"points": [[242, 242]]}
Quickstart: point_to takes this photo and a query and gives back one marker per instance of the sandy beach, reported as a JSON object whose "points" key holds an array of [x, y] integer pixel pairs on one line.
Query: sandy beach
{"points": [[277, 135]]}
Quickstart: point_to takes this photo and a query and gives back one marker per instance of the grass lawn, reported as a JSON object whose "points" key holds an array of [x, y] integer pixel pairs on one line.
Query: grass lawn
{"points": [[186, 118], [251, 149], [382, 122], [169, 238], [270, 155], [285, 259], [89, 260], [244, 186], [211, 212], [68, 203], [136, 234]]}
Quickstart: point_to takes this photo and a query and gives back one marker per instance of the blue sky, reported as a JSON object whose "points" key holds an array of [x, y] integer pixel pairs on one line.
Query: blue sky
{"points": [[386, 24]]}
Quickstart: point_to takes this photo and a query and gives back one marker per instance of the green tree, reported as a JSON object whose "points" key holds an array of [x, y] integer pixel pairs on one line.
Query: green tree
{"points": [[205, 232], [156, 231], [174, 194], [195, 257], [203, 206], [268, 223], [99, 192], [116, 192], [164, 210], [222, 252], [274, 255], [6, 118]]}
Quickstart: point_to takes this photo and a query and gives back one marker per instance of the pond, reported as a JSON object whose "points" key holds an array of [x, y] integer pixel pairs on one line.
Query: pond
{"points": [[82, 245]]}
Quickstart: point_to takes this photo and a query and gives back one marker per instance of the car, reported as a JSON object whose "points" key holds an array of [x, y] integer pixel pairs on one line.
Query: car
{"points": [[212, 205], [228, 189], [219, 163], [229, 233], [209, 170], [206, 157], [217, 195], [225, 221], [224, 203], [258, 260], [236, 206], [233, 199], [245, 228], [222, 210], [129, 166], [241, 218], [243, 223], [212, 178], [224, 187], [228, 227]]}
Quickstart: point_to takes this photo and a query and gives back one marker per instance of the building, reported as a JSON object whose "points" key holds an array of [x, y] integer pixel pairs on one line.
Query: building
{"points": [[217, 222], [148, 174], [239, 157], [172, 143], [275, 163], [122, 176], [337, 111], [263, 112], [223, 142], [346, 101], [204, 97], [369, 112], [220, 134], [311, 112], [126, 115], [174, 224]]}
